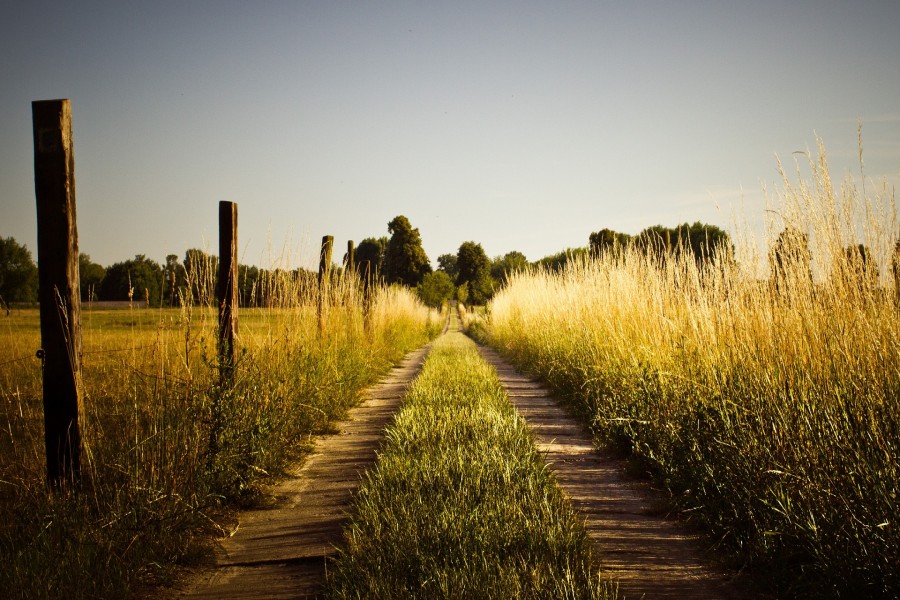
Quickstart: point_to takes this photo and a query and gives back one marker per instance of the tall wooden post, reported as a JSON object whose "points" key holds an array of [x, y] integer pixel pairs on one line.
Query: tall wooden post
{"points": [[227, 289], [58, 287], [365, 269], [324, 272]]}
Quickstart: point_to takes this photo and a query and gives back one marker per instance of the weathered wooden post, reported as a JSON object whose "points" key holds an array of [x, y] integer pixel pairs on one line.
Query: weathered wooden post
{"points": [[365, 269], [351, 257], [324, 272], [58, 287], [227, 290]]}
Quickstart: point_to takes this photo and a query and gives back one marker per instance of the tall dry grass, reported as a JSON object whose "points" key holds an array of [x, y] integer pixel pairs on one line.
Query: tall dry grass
{"points": [[767, 402], [168, 452]]}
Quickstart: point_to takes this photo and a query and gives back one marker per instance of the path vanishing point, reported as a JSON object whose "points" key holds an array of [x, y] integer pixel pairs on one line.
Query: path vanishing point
{"points": [[282, 551]]}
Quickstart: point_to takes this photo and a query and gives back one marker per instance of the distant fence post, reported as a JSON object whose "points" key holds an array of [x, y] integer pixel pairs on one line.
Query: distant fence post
{"points": [[324, 272], [365, 269], [58, 287], [351, 257], [227, 289]]}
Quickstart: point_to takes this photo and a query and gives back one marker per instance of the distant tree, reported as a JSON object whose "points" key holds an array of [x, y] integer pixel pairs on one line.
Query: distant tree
{"points": [[248, 285], [511, 262], [435, 289], [91, 277], [201, 272], [606, 241], [405, 260], [556, 262], [18, 273], [447, 264], [138, 280], [475, 271], [371, 251], [174, 281], [704, 243], [790, 259]]}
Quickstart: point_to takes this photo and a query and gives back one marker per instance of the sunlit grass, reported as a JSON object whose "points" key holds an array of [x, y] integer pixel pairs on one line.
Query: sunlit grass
{"points": [[772, 412], [460, 503], [167, 451]]}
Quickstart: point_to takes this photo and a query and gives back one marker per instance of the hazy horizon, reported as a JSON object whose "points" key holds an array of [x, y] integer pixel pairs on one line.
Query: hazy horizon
{"points": [[520, 126]]}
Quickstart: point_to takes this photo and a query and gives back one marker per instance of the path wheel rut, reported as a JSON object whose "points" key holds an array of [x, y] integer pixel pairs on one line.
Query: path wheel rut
{"points": [[280, 552], [651, 556]]}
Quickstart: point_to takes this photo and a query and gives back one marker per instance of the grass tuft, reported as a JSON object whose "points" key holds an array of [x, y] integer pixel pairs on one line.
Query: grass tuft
{"points": [[460, 503]]}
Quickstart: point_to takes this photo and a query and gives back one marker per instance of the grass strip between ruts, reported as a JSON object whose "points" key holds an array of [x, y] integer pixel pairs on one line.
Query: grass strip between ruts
{"points": [[460, 503]]}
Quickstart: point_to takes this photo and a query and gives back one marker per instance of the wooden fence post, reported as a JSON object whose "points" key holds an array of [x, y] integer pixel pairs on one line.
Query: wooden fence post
{"points": [[58, 287], [351, 257], [365, 269], [227, 289], [324, 272]]}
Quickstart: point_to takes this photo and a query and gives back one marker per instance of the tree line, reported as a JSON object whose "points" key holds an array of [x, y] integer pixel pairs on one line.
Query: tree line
{"points": [[399, 258]]}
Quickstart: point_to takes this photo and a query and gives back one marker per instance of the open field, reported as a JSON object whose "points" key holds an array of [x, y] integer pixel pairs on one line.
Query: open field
{"points": [[167, 451], [770, 408]]}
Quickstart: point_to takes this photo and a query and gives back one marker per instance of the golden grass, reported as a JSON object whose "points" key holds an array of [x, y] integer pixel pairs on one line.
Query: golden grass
{"points": [[772, 411], [167, 450]]}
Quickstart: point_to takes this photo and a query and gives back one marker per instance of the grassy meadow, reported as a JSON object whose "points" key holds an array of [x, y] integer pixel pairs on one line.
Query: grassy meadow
{"points": [[768, 403], [168, 452], [460, 503]]}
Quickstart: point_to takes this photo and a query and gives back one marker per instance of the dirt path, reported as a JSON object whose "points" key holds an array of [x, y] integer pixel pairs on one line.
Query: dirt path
{"points": [[280, 552], [649, 554]]}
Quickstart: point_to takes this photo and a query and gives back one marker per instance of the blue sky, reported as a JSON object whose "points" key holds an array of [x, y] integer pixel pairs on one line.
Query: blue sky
{"points": [[519, 125]]}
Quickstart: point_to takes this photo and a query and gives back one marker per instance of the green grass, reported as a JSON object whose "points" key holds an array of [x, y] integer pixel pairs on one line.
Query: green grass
{"points": [[460, 503], [167, 452], [772, 413]]}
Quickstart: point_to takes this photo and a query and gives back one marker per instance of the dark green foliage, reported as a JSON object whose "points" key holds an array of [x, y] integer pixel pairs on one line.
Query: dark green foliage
{"points": [[607, 240], [201, 272], [18, 273], [447, 264], [138, 280], [556, 262], [405, 261], [174, 281], [475, 271], [371, 251], [435, 289], [91, 277], [706, 243], [511, 262]]}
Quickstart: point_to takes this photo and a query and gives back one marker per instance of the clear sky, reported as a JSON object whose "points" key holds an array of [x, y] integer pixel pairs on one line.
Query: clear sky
{"points": [[519, 125]]}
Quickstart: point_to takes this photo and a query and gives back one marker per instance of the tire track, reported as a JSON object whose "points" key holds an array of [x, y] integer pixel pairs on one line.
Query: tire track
{"points": [[651, 556]]}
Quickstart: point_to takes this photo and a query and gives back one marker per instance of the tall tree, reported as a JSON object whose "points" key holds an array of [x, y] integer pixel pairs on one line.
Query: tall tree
{"points": [[475, 271], [447, 264], [511, 262], [18, 273], [405, 260], [435, 289], [371, 251]]}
